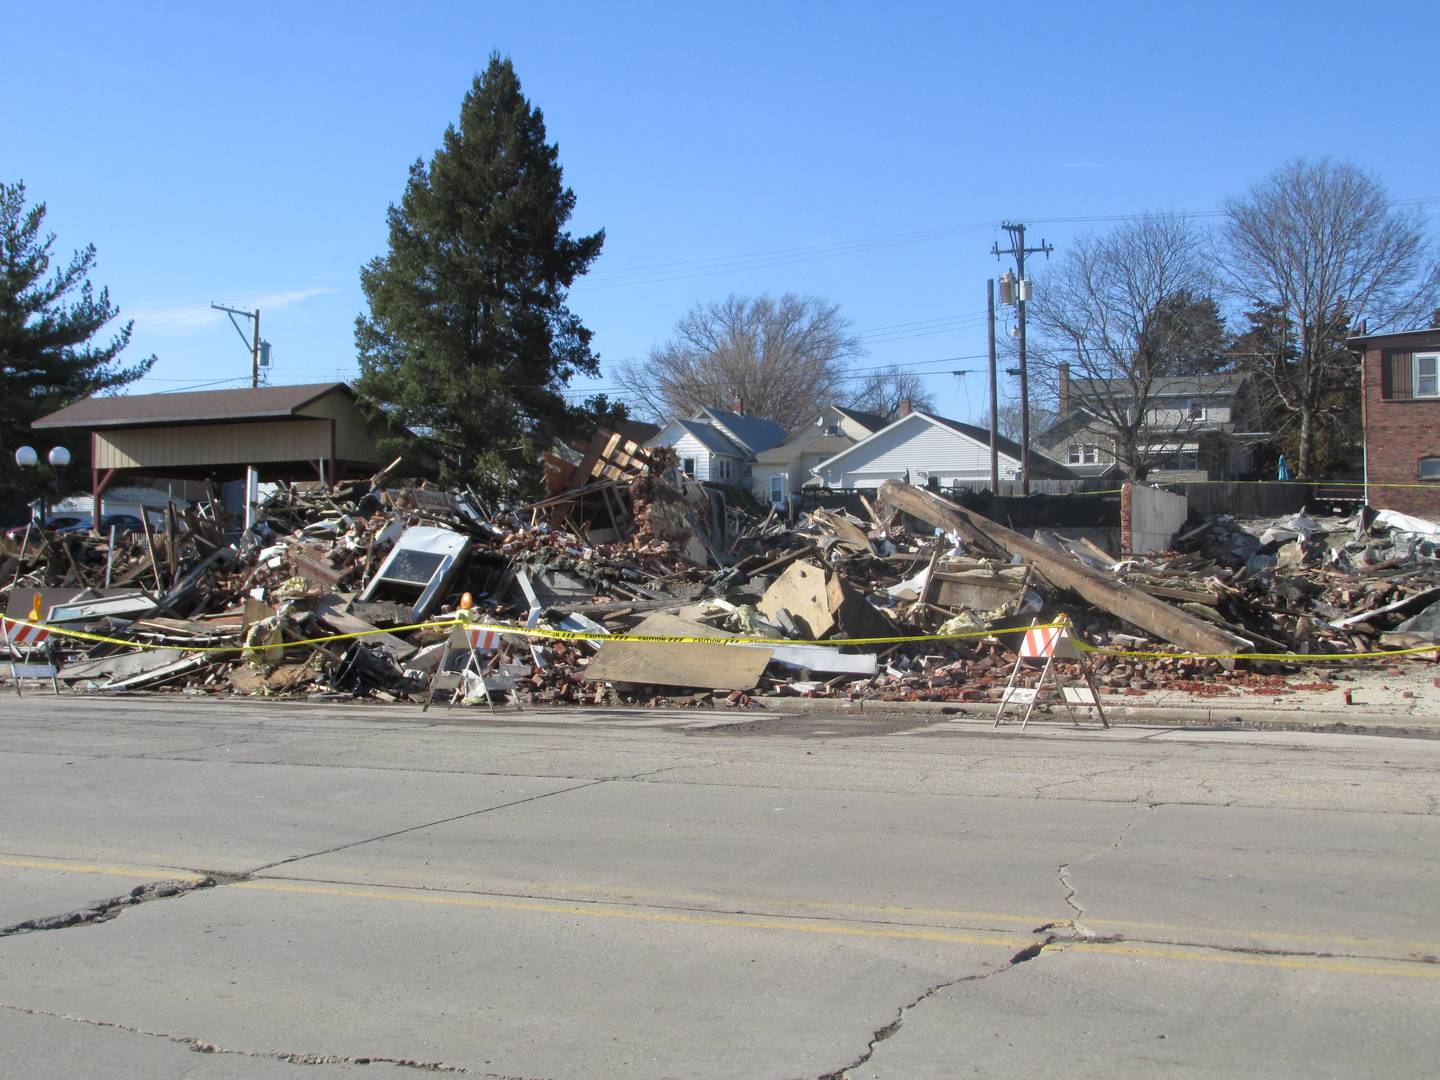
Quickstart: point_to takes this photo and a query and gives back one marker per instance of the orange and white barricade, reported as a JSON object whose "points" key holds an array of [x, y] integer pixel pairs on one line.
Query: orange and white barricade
{"points": [[23, 641], [1048, 644], [471, 652]]}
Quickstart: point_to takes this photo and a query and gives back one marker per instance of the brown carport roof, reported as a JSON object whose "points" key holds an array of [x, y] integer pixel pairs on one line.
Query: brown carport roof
{"points": [[191, 407]]}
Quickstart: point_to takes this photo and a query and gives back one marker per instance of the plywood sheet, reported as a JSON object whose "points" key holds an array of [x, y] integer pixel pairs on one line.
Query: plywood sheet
{"points": [[688, 665], [803, 590]]}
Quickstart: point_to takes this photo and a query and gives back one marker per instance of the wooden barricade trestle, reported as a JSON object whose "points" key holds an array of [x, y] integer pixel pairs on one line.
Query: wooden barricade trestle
{"points": [[23, 643], [475, 660], [1047, 644]]}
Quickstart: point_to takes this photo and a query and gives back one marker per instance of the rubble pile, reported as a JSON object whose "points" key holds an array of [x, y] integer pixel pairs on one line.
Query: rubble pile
{"points": [[381, 589]]}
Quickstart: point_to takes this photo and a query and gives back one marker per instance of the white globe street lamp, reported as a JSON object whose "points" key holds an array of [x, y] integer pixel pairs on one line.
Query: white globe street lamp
{"points": [[27, 458]]}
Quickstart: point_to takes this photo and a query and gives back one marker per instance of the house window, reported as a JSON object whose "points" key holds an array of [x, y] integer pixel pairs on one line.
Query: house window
{"points": [[777, 490], [1426, 382], [1430, 468], [1083, 455], [688, 467], [832, 429], [1194, 410]]}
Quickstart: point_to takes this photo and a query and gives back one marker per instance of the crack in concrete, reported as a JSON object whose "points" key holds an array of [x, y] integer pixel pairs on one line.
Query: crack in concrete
{"points": [[1082, 931], [1030, 952], [1095, 775], [105, 910], [202, 1047], [471, 814]]}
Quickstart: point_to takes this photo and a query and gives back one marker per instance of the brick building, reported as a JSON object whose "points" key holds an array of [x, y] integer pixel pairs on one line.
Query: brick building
{"points": [[1400, 403]]}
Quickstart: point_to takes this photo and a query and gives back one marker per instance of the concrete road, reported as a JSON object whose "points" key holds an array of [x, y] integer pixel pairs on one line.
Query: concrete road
{"points": [[214, 890]]}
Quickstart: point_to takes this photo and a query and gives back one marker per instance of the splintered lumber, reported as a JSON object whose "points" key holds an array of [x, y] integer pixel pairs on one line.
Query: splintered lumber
{"points": [[331, 609], [1180, 628]]}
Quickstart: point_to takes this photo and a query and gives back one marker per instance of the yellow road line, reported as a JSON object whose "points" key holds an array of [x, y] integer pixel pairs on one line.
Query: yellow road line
{"points": [[746, 922], [145, 873], [1342, 965], [1337, 964], [1197, 954]]}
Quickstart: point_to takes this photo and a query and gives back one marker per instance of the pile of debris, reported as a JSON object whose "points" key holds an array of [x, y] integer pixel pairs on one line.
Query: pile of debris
{"points": [[384, 589]]}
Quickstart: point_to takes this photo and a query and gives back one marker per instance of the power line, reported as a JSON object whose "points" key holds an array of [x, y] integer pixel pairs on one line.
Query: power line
{"points": [[714, 262], [710, 266]]}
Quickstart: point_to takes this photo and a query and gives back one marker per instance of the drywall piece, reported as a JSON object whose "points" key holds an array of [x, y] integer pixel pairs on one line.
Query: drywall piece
{"points": [[700, 666], [132, 605], [121, 665], [160, 674]]}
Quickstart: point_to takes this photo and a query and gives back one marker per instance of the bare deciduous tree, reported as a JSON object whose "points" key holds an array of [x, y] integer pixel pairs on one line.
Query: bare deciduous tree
{"points": [[783, 358], [1320, 244], [1009, 418], [882, 391], [1127, 310]]}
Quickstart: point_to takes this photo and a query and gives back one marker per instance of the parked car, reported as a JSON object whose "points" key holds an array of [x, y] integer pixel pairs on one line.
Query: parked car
{"points": [[59, 520], [122, 522]]}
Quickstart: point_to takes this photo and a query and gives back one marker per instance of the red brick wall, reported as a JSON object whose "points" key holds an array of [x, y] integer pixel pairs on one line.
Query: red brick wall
{"points": [[1397, 435]]}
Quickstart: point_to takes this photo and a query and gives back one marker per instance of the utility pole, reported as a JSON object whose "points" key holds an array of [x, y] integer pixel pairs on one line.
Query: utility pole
{"points": [[254, 344], [1021, 293], [994, 393]]}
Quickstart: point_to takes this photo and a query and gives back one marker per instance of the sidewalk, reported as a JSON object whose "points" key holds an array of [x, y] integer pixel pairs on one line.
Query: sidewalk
{"points": [[1402, 700]]}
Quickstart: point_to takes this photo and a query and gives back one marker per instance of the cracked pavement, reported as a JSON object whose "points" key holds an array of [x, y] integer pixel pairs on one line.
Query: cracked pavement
{"points": [[222, 890]]}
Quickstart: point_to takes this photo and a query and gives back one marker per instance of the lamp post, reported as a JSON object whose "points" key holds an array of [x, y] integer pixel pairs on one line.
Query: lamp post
{"points": [[59, 457]]}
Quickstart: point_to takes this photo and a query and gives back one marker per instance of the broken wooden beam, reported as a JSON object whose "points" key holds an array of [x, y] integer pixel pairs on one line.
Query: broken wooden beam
{"points": [[1179, 628]]}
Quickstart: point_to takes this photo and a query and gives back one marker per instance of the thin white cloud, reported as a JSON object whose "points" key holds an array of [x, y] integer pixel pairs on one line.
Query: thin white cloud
{"points": [[271, 301], [183, 319], [179, 319]]}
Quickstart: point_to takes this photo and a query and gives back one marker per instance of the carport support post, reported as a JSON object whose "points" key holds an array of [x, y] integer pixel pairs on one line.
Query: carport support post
{"points": [[252, 494], [99, 481]]}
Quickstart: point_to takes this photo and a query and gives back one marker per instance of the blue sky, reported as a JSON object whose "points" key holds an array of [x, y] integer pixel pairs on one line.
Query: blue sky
{"points": [[860, 153]]}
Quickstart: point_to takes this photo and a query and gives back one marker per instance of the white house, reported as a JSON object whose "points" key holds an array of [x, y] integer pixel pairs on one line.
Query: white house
{"points": [[783, 470], [718, 446], [932, 451]]}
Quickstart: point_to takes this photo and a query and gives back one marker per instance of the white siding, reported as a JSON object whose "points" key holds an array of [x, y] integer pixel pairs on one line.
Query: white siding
{"points": [[923, 450], [760, 480], [687, 446]]}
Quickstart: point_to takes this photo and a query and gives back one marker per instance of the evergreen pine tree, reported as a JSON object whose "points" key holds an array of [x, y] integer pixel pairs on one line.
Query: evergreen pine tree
{"points": [[469, 340], [49, 320]]}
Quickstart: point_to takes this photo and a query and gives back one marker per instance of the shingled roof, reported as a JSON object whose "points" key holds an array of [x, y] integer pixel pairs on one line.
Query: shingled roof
{"points": [[190, 407]]}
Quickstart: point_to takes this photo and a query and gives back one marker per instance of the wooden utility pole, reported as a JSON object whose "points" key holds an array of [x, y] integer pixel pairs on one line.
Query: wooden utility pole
{"points": [[255, 354], [1017, 248], [254, 342], [994, 393]]}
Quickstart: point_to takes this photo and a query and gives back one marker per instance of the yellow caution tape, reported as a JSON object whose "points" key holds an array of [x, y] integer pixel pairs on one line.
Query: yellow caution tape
{"points": [[1302, 658], [685, 639], [127, 643], [537, 632], [547, 633], [1311, 483]]}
